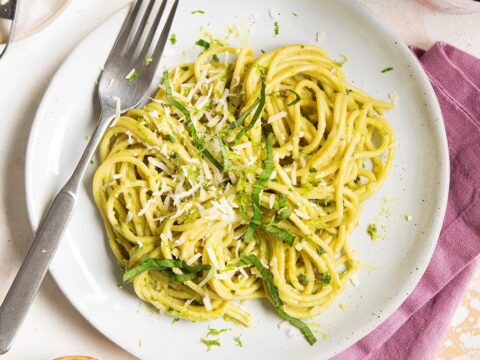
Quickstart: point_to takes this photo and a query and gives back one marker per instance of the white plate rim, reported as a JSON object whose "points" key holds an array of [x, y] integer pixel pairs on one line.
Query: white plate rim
{"points": [[39, 26], [433, 236]]}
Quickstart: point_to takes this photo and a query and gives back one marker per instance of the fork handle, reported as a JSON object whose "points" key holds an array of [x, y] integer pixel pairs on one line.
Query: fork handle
{"points": [[31, 273], [29, 278]]}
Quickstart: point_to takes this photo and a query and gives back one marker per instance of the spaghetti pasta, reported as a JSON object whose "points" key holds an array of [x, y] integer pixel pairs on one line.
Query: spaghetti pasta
{"points": [[264, 159]]}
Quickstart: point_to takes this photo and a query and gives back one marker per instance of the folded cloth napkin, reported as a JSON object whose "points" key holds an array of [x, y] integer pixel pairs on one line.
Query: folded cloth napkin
{"points": [[415, 330]]}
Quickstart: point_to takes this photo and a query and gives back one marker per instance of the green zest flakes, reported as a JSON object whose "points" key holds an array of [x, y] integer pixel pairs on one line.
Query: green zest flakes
{"points": [[210, 343], [215, 332], [372, 231], [173, 39], [343, 60], [147, 61], [387, 69], [132, 75], [198, 12], [277, 303], [276, 28], [238, 341]]}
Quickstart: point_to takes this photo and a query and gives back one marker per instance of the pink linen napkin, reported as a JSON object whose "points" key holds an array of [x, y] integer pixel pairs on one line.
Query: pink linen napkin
{"points": [[415, 330]]}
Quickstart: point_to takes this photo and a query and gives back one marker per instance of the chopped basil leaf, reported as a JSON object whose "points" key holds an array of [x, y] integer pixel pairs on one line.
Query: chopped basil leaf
{"points": [[258, 188], [258, 112], [175, 320], [166, 266], [203, 43], [277, 303], [282, 234], [294, 101], [215, 58], [171, 138], [242, 117], [198, 142], [326, 278], [312, 170], [387, 69], [173, 39], [320, 251]]}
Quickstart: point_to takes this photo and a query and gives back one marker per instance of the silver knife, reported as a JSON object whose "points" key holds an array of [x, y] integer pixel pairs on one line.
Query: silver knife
{"points": [[8, 11]]}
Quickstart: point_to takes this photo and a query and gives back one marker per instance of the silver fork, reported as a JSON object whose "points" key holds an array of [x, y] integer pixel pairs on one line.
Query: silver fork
{"points": [[125, 56]]}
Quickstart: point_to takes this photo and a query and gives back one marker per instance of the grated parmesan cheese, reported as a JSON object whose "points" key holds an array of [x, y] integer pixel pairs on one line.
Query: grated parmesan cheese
{"points": [[212, 256], [277, 117], [194, 258], [206, 301], [301, 214], [188, 302], [158, 164], [294, 173], [118, 110], [271, 201], [145, 208], [222, 276], [242, 146], [243, 272]]}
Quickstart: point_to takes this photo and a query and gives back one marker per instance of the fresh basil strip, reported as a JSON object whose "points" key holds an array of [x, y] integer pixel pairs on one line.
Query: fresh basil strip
{"points": [[282, 234], [257, 189], [258, 112], [166, 266], [277, 303], [256, 220], [242, 117], [198, 142], [203, 43], [294, 101]]}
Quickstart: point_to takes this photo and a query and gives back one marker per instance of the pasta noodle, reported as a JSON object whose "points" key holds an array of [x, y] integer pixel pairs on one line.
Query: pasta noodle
{"points": [[270, 156]]}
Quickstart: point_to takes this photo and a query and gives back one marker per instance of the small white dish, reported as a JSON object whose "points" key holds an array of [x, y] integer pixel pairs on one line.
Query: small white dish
{"points": [[417, 186]]}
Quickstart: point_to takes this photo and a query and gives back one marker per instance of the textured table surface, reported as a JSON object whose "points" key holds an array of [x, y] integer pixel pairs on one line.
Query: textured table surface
{"points": [[53, 328]]}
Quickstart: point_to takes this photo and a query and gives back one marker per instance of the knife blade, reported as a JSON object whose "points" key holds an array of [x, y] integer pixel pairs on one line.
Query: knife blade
{"points": [[8, 9]]}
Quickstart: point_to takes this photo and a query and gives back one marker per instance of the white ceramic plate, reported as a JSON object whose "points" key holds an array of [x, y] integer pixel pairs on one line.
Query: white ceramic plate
{"points": [[392, 266], [33, 16]]}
